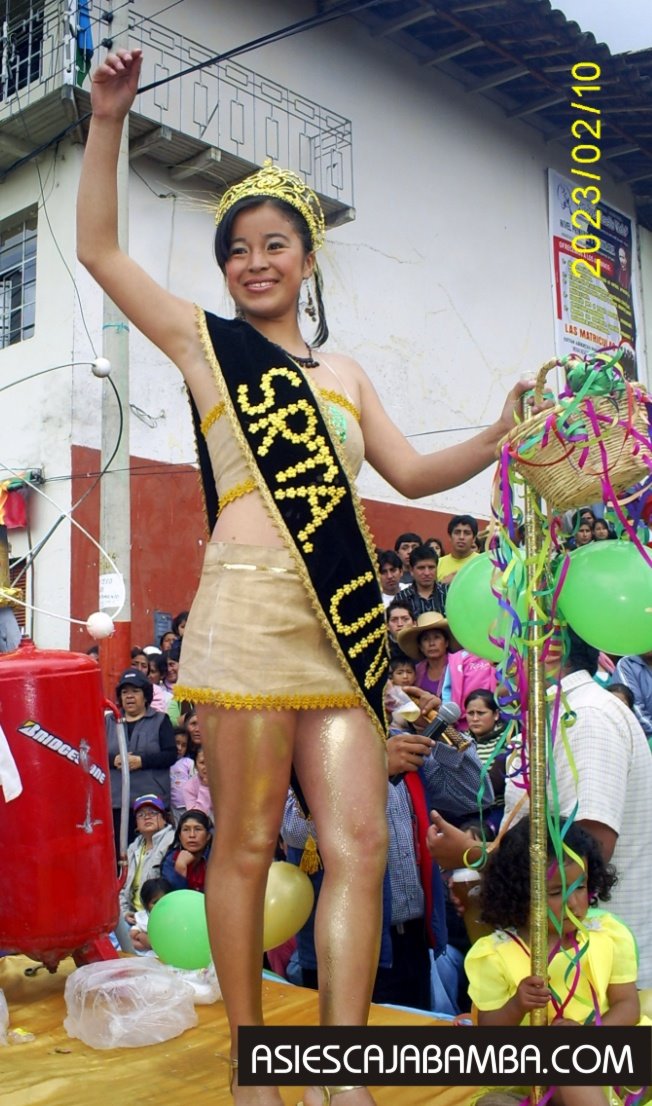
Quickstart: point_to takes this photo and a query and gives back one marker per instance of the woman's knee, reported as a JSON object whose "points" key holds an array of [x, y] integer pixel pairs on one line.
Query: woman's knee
{"points": [[360, 846], [250, 850]]}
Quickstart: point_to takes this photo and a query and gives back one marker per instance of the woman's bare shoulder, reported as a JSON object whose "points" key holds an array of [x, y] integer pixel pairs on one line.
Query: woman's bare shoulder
{"points": [[347, 370]]}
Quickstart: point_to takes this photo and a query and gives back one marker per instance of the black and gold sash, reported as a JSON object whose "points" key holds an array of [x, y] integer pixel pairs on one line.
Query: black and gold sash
{"points": [[293, 457]]}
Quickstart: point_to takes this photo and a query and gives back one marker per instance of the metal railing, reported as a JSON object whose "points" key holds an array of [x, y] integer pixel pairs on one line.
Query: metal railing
{"points": [[240, 112], [224, 105]]}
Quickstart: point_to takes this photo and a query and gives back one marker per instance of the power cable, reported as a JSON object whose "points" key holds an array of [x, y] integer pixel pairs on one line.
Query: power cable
{"points": [[344, 9]]}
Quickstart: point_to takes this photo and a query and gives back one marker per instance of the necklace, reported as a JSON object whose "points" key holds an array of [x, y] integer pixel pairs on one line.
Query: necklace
{"points": [[305, 362]]}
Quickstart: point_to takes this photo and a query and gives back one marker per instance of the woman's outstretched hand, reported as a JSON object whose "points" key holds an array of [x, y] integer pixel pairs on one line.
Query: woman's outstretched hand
{"points": [[513, 405], [115, 83]]}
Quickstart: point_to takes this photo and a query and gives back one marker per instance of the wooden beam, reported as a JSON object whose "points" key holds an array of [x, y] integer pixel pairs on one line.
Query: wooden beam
{"points": [[409, 19], [194, 165], [507, 75], [138, 147], [453, 51], [540, 105]]}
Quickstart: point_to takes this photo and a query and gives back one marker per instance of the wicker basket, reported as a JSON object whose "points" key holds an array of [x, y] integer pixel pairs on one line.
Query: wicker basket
{"points": [[571, 473]]}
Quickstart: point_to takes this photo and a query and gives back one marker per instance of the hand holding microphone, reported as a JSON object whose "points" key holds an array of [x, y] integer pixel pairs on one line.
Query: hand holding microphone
{"points": [[435, 731]]}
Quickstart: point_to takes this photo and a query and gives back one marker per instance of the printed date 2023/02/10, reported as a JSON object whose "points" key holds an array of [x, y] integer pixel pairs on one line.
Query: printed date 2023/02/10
{"points": [[588, 223]]}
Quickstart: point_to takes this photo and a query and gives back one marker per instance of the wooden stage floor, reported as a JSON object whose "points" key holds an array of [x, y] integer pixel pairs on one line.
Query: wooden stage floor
{"points": [[191, 1070]]}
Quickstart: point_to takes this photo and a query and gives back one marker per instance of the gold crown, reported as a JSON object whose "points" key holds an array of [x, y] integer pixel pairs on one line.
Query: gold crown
{"points": [[279, 184]]}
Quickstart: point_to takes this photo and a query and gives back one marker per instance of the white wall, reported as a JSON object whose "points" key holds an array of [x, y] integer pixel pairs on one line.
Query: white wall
{"points": [[36, 415], [440, 287]]}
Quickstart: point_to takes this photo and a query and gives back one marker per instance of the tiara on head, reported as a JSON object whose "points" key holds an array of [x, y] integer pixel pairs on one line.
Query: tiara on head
{"points": [[279, 184]]}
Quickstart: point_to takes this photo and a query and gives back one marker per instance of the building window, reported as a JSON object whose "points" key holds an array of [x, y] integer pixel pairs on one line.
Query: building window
{"points": [[22, 44], [17, 277]]}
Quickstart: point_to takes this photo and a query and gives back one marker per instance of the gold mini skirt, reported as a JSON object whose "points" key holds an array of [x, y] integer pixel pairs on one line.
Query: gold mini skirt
{"points": [[253, 641]]}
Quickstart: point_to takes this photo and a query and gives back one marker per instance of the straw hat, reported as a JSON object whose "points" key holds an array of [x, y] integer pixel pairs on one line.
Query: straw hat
{"points": [[408, 639]]}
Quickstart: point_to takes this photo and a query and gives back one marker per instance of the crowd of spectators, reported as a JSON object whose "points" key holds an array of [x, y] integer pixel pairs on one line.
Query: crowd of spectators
{"points": [[469, 774]]}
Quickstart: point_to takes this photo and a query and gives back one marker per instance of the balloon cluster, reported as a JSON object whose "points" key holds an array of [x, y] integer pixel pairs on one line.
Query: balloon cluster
{"points": [[604, 593], [178, 932]]}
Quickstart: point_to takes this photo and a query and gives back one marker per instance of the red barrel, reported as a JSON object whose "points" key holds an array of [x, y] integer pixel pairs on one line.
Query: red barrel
{"points": [[59, 888]]}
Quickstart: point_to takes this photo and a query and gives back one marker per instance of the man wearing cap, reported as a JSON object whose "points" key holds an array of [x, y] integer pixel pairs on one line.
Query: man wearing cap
{"points": [[151, 746]]}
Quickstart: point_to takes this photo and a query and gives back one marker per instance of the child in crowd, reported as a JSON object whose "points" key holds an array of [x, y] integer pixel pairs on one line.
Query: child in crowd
{"points": [[151, 891], [181, 771], [195, 794], [402, 672], [404, 700], [591, 967], [190, 720]]}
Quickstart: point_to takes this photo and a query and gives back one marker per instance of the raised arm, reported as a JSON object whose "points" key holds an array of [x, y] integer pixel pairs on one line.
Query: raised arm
{"points": [[167, 320], [416, 474]]}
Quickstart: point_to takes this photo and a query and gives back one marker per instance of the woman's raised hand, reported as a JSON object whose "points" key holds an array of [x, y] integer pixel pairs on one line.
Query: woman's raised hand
{"points": [[514, 404], [115, 83]]}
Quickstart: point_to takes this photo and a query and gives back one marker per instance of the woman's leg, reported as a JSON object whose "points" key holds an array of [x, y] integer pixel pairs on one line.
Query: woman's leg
{"points": [[342, 768], [248, 755]]}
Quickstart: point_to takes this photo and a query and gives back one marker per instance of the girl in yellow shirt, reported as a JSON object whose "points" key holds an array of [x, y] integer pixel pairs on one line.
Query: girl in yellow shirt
{"points": [[592, 959]]}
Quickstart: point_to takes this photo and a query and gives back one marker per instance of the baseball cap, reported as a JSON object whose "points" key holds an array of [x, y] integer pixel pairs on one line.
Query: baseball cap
{"points": [[149, 800], [133, 677]]}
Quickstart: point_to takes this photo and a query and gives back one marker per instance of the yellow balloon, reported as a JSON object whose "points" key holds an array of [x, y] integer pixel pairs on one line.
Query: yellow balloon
{"points": [[289, 899]]}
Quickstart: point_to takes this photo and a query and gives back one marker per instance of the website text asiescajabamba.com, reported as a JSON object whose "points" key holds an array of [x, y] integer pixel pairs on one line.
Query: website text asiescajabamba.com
{"points": [[438, 1056]]}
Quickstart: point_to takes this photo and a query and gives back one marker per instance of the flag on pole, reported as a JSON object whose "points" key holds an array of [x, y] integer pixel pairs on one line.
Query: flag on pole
{"points": [[84, 41]]}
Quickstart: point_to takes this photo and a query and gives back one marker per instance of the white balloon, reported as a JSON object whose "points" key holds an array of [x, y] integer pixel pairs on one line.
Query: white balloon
{"points": [[99, 625], [101, 366]]}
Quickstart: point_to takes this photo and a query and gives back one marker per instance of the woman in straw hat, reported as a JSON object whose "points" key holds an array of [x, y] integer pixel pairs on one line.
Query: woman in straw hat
{"points": [[284, 649], [443, 669], [429, 642]]}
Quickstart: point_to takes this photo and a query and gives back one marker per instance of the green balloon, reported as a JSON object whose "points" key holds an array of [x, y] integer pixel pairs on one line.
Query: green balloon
{"points": [[178, 932], [474, 612], [606, 597]]}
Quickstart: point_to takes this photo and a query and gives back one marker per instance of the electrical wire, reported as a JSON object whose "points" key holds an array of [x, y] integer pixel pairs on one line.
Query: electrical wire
{"points": [[82, 530], [338, 12], [33, 552], [349, 7]]}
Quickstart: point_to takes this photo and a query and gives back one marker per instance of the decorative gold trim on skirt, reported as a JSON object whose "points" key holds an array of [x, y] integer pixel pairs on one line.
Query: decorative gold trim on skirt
{"points": [[252, 640], [266, 702]]}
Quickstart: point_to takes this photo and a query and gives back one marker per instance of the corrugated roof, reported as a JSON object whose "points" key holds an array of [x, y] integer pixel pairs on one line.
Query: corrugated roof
{"points": [[519, 54]]}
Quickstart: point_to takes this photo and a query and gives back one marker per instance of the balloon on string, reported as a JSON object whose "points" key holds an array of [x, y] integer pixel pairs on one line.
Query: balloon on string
{"points": [[100, 625], [178, 932], [606, 597], [289, 898], [474, 612]]}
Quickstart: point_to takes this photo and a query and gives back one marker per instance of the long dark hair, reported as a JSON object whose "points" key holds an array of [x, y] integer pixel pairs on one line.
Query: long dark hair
{"points": [[197, 816], [224, 235], [505, 895]]}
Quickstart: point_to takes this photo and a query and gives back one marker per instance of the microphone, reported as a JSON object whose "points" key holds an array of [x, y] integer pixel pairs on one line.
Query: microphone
{"points": [[448, 714]]}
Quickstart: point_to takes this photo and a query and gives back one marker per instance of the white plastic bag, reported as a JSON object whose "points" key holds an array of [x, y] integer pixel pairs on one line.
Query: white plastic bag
{"points": [[4, 1018], [127, 1003], [204, 983]]}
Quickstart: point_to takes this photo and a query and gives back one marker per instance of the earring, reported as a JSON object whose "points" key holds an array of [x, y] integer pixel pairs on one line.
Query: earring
{"points": [[310, 309]]}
